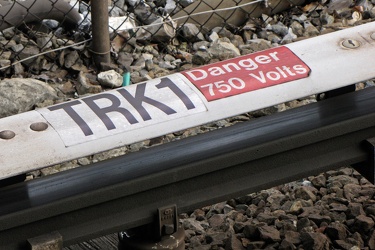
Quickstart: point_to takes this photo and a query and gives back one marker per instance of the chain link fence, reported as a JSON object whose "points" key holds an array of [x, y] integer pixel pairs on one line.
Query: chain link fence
{"points": [[43, 36]]}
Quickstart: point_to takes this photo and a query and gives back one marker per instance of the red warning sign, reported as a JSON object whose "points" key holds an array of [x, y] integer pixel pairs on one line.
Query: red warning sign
{"points": [[248, 73]]}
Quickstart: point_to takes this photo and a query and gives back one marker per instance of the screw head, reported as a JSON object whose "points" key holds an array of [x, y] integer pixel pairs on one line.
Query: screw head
{"points": [[168, 229], [39, 126], [350, 44], [372, 36], [7, 134]]}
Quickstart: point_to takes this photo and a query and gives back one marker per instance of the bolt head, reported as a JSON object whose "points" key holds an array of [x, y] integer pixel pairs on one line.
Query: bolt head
{"points": [[350, 43], [168, 229]]}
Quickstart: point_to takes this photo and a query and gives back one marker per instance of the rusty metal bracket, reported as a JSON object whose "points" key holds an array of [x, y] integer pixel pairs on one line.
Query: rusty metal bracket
{"points": [[167, 220], [166, 235], [51, 241]]}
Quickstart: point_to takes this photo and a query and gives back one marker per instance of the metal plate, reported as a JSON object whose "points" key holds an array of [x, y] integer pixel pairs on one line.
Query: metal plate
{"points": [[248, 73], [124, 109]]}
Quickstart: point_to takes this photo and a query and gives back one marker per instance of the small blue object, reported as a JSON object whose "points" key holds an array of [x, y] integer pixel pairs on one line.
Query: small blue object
{"points": [[126, 79]]}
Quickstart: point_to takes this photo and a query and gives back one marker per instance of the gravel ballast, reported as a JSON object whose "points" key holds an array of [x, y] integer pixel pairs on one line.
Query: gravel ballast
{"points": [[333, 210]]}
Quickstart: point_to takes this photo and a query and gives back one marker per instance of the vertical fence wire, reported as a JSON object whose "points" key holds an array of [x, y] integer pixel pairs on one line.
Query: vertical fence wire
{"points": [[100, 33]]}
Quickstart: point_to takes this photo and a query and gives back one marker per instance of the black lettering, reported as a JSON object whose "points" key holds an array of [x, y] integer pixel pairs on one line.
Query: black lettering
{"points": [[102, 112], [67, 107], [140, 97], [167, 83]]}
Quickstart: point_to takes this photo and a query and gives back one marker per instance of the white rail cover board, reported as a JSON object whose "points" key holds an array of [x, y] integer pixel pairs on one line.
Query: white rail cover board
{"points": [[160, 106]]}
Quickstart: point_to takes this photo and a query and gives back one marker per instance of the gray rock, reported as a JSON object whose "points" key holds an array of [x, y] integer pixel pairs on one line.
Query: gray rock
{"points": [[273, 38], [363, 224], [343, 179], [85, 85], [170, 6], [28, 52], [370, 210], [110, 79], [367, 190], [354, 210], [233, 243], [19, 95], [213, 37], [83, 161], [5, 63], [269, 234], [302, 223], [44, 41], [296, 207], [17, 47], [267, 218], [304, 193], [192, 224], [223, 50], [297, 28], [8, 33], [311, 31], [339, 5], [256, 245], [288, 38], [240, 207], [71, 58], [252, 210], [125, 59], [166, 65], [237, 41], [185, 3], [140, 62], [216, 238], [351, 191], [137, 146], [280, 29], [319, 219], [199, 214], [314, 241], [356, 239], [223, 32], [371, 240], [144, 12], [109, 154], [319, 181], [327, 19], [191, 32], [238, 227], [293, 237], [257, 45], [336, 231], [345, 245], [251, 231], [286, 245], [133, 2], [216, 220]]}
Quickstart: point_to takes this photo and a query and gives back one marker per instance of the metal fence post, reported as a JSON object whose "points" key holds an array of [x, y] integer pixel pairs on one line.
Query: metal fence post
{"points": [[100, 32]]}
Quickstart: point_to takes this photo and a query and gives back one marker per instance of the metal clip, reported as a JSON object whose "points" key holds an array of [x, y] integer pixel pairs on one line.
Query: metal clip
{"points": [[167, 220]]}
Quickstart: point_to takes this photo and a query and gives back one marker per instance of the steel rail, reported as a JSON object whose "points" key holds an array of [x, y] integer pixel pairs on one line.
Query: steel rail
{"points": [[125, 192]]}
